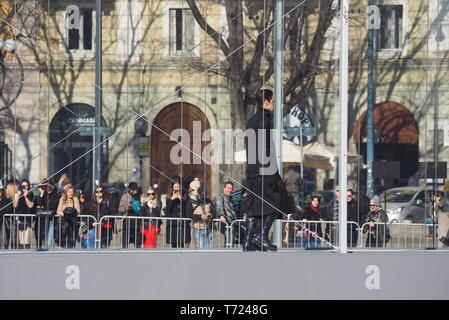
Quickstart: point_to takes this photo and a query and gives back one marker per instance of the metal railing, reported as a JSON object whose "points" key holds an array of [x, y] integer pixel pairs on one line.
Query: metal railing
{"points": [[401, 235], [40, 232], [44, 232]]}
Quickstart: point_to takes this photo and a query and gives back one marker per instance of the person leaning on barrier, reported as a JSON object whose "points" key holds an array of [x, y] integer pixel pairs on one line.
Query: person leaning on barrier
{"points": [[151, 207], [378, 233], [312, 212], [46, 206], [224, 209], [24, 204], [69, 208]]}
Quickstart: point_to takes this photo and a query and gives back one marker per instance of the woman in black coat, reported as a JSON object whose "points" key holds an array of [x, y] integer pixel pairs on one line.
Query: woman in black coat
{"points": [[177, 231]]}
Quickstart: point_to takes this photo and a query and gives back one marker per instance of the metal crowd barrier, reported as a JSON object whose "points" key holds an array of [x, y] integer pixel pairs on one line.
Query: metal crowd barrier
{"points": [[316, 234], [43, 232], [144, 232], [402, 235]]}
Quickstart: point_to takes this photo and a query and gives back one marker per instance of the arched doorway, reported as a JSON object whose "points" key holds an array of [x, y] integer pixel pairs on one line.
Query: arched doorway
{"points": [[396, 137], [70, 139], [178, 116]]}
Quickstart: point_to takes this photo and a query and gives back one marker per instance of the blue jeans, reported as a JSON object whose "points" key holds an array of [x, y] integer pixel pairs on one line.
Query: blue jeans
{"points": [[302, 242], [430, 224], [203, 238], [89, 242]]}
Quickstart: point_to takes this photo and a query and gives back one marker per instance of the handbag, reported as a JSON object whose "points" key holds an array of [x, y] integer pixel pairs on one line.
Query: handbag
{"points": [[69, 211]]}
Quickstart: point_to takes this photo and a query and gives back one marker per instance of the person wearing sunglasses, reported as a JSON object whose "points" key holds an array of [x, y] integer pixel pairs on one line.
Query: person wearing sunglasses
{"points": [[151, 207], [103, 208], [352, 216], [24, 205], [378, 233]]}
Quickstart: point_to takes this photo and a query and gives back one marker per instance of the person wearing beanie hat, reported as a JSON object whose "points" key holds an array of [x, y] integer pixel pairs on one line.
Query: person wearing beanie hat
{"points": [[199, 209], [195, 185], [375, 201], [378, 233]]}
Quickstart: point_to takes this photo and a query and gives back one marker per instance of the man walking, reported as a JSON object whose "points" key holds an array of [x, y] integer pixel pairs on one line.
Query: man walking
{"points": [[262, 176]]}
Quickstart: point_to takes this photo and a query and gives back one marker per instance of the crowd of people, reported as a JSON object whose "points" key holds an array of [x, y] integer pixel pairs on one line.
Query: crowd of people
{"points": [[53, 213], [59, 214]]}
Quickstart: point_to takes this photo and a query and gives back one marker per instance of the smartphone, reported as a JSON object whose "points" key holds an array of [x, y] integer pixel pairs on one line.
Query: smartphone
{"points": [[22, 188]]}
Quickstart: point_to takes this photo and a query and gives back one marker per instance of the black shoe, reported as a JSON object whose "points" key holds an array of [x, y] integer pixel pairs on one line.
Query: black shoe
{"points": [[262, 240], [445, 241], [265, 244], [248, 244]]}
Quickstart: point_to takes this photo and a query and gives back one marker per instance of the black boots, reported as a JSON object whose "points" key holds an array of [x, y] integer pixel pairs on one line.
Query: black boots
{"points": [[250, 227], [445, 241], [256, 239], [261, 240]]}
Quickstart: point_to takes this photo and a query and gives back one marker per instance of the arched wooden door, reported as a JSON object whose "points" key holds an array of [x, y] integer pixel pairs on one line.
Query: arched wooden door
{"points": [[396, 137], [172, 117]]}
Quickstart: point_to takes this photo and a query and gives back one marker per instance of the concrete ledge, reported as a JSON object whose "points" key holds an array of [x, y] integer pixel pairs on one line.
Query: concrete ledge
{"points": [[227, 274]]}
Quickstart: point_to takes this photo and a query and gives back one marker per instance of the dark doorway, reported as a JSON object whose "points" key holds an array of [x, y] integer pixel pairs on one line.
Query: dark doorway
{"points": [[71, 145]]}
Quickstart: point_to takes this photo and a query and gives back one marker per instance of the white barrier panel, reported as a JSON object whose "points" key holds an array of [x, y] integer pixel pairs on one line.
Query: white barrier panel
{"points": [[399, 235], [46, 232]]}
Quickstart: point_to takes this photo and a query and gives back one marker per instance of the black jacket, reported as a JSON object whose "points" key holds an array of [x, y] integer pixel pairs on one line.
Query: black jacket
{"points": [[146, 211], [268, 186], [310, 215], [177, 232], [262, 119], [49, 202]]}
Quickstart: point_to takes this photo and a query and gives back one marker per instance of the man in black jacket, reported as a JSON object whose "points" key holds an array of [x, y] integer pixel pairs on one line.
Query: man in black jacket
{"points": [[352, 218], [262, 175]]}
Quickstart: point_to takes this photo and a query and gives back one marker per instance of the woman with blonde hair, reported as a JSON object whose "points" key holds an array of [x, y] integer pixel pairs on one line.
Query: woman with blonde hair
{"points": [[63, 181], [7, 207], [151, 207], [68, 209]]}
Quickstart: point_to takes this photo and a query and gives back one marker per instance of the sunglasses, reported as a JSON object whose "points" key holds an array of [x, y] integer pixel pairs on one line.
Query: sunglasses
{"points": [[99, 191], [150, 194]]}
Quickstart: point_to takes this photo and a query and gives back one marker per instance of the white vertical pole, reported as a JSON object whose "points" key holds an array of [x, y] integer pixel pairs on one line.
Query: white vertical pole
{"points": [[278, 91], [344, 18]]}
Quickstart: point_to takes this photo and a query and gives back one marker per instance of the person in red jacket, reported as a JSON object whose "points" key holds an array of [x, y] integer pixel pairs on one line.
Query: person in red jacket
{"points": [[151, 207]]}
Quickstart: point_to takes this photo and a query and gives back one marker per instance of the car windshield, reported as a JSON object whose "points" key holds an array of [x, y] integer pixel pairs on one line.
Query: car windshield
{"points": [[400, 195]]}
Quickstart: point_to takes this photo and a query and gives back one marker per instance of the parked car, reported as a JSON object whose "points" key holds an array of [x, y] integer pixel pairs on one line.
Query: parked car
{"points": [[408, 204]]}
